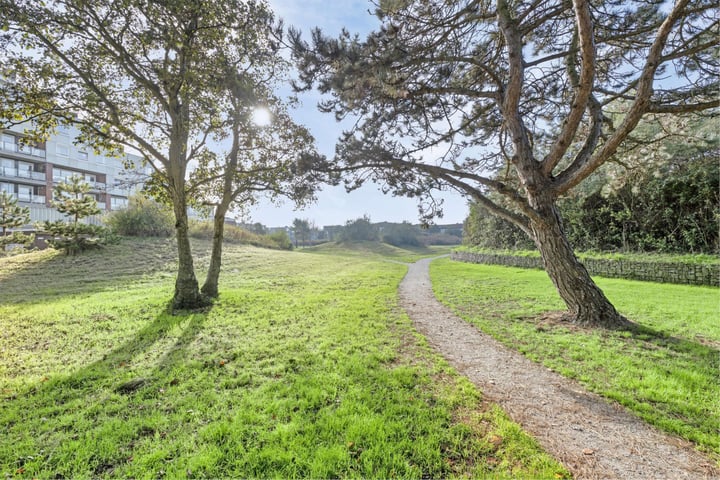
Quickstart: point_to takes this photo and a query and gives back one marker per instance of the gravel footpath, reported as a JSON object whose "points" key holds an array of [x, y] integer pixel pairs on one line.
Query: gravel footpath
{"points": [[590, 436]]}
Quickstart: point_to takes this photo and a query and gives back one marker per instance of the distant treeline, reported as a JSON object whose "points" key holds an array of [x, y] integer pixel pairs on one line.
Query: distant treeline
{"points": [[399, 234]]}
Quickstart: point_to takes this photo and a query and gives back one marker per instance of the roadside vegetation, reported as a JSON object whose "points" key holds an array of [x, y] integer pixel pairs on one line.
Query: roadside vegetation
{"points": [[666, 371], [237, 235], [304, 367]]}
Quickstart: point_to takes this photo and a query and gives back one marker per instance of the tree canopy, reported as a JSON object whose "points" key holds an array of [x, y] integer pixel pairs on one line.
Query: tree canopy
{"points": [[152, 76], [359, 230], [655, 196], [525, 99]]}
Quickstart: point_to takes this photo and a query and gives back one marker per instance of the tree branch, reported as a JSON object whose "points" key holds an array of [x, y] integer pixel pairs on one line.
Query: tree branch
{"points": [[582, 168], [583, 87]]}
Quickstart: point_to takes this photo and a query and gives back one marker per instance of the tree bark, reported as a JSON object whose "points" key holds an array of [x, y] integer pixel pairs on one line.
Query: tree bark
{"points": [[586, 303], [187, 294], [212, 280], [210, 287]]}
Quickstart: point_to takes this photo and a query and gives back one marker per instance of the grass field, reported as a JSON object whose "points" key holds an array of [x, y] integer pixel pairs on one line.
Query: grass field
{"points": [[668, 372], [305, 367], [379, 251]]}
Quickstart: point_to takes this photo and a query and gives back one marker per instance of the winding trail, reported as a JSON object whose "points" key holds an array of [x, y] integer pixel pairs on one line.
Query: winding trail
{"points": [[590, 436]]}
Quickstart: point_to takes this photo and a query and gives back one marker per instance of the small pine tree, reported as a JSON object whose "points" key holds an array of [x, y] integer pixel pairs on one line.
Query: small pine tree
{"points": [[13, 216], [71, 198]]}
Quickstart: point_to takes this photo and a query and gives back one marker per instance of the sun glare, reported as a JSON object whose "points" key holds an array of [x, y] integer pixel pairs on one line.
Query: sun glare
{"points": [[262, 117]]}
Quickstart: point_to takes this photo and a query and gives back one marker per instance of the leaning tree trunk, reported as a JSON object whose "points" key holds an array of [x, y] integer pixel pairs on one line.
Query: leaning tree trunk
{"points": [[187, 294], [210, 287], [586, 303]]}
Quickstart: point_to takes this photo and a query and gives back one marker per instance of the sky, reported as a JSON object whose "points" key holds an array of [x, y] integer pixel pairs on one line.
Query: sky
{"points": [[334, 205]]}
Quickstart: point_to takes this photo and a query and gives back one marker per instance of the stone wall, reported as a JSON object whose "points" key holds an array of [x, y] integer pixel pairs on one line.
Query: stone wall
{"points": [[693, 274]]}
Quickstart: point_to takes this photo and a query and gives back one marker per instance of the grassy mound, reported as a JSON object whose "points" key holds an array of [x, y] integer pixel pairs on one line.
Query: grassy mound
{"points": [[305, 367]]}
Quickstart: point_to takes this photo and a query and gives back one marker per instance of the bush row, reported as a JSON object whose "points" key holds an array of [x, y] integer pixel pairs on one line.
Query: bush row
{"points": [[663, 272]]}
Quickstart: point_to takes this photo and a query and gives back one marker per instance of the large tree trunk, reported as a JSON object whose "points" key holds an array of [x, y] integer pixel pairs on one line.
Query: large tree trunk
{"points": [[187, 294], [210, 288], [586, 303]]}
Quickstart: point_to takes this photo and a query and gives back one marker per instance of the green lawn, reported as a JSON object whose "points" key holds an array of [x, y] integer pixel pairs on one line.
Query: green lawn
{"points": [[668, 372], [305, 367], [380, 251]]}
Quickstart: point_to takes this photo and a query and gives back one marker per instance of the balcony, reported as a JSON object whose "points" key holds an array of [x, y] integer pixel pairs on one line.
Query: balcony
{"points": [[16, 173], [119, 205], [24, 149], [30, 198], [93, 185]]}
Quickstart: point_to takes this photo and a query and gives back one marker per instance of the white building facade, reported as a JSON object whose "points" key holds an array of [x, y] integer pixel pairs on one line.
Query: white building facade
{"points": [[30, 172]]}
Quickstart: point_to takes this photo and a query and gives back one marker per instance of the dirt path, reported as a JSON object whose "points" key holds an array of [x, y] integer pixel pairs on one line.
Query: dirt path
{"points": [[592, 437]]}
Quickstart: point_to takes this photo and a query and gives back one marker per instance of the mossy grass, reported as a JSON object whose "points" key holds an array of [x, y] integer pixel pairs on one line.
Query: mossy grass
{"points": [[304, 367], [665, 370]]}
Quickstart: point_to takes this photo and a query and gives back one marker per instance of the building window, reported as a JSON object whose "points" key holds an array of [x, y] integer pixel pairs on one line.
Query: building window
{"points": [[60, 175], [62, 150], [117, 203], [8, 143], [25, 170], [7, 167], [25, 193], [83, 155]]}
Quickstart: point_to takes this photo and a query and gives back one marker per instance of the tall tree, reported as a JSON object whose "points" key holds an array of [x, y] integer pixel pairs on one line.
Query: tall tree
{"points": [[301, 228], [139, 74], [262, 156], [449, 93]]}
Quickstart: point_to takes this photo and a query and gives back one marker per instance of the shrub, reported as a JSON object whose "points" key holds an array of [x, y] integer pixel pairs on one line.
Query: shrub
{"points": [[13, 216], [233, 234], [144, 217], [74, 238], [281, 239], [359, 230], [486, 230], [16, 242], [401, 235]]}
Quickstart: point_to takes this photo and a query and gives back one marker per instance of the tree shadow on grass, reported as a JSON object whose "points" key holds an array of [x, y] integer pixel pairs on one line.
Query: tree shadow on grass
{"points": [[106, 380], [651, 337], [666, 369], [47, 275], [654, 338]]}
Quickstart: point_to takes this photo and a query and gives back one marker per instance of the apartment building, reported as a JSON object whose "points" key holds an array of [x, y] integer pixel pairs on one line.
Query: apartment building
{"points": [[30, 172]]}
